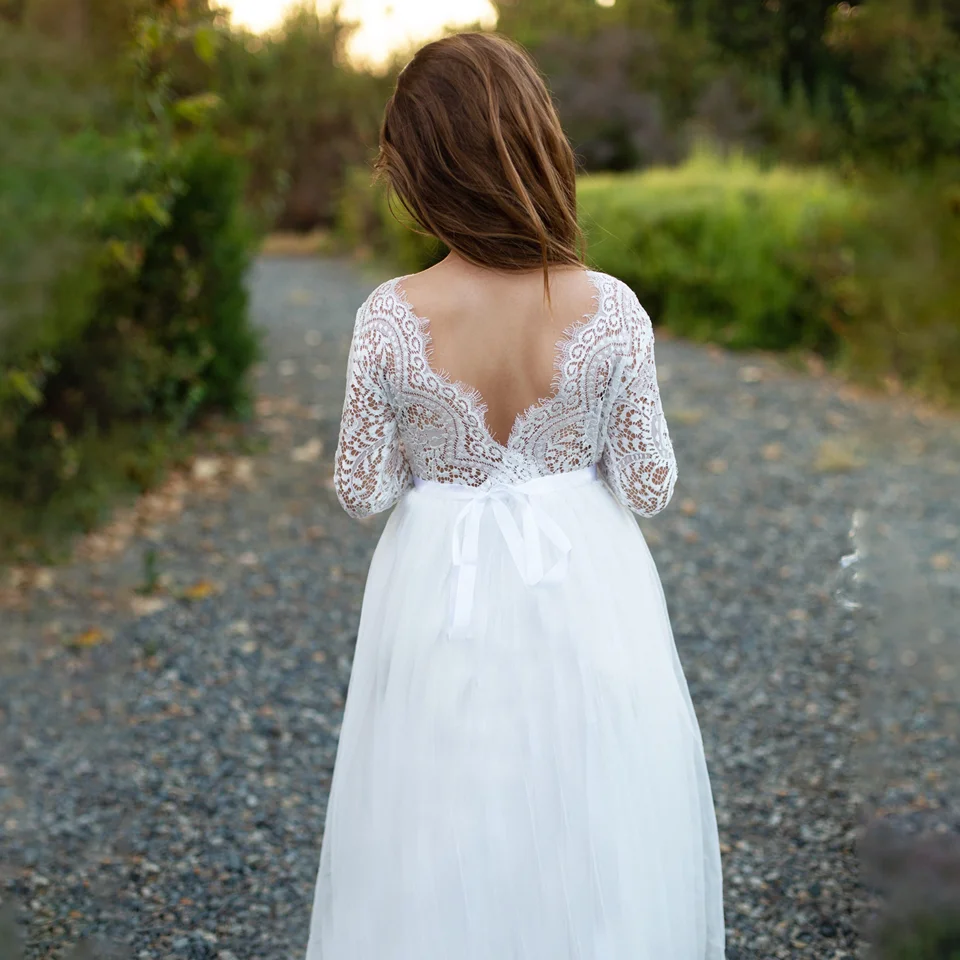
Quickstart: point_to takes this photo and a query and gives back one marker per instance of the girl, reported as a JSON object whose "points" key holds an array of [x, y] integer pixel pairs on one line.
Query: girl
{"points": [[520, 773]]}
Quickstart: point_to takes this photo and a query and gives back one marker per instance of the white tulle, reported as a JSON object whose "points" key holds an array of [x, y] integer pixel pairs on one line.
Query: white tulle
{"points": [[535, 790]]}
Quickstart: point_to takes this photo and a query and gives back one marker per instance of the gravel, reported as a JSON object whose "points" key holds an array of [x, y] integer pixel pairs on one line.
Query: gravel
{"points": [[162, 788]]}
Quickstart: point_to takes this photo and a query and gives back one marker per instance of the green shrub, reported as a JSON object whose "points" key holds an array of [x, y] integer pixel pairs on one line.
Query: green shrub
{"points": [[901, 73], [918, 877], [302, 111], [897, 297], [368, 222], [720, 250], [114, 339]]}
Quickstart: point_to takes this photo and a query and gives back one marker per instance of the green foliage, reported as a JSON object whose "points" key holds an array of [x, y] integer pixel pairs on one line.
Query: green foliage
{"points": [[124, 307], [898, 299], [919, 879], [720, 250], [369, 222], [902, 83], [927, 935], [302, 113], [876, 81]]}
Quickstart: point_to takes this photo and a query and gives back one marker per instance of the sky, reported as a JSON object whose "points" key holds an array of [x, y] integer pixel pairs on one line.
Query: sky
{"points": [[384, 24]]}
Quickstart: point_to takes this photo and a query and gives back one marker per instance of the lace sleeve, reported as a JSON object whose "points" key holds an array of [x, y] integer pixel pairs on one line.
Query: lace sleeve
{"points": [[637, 461], [370, 472]]}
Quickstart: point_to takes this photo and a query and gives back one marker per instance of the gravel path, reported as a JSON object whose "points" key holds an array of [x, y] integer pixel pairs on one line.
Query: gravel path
{"points": [[166, 758]]}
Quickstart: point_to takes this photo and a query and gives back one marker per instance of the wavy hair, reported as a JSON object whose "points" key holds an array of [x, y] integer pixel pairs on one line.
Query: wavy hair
{"points": [[472, 147]]}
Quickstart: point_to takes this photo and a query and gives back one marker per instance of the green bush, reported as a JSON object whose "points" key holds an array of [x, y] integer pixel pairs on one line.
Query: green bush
{"points": [[897, 298], [302, 111], [720, 250], [117, 335], [901, 75], [778, 259], [918, 877], [369, 223]]}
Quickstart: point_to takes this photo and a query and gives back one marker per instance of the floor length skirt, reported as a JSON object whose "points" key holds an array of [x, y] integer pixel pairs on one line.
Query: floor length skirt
{"points": [[520, 773]]}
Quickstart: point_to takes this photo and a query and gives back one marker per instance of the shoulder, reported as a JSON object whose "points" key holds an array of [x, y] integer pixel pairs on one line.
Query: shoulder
{"points": [[384, 301], [616, 289], [618, 302]]}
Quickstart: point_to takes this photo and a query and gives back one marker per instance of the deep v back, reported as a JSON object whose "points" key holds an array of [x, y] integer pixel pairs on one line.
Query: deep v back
{"points": [[477, 397]]}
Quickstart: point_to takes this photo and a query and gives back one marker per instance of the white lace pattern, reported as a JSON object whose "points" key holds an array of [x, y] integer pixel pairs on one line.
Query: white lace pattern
{"points": [[401, 417]]}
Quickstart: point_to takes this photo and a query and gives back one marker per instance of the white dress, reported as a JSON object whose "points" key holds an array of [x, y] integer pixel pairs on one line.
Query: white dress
{"points": [[520, 773]]}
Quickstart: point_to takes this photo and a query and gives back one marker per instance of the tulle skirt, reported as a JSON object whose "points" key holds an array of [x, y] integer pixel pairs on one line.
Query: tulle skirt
{"points": [[520, 773]]}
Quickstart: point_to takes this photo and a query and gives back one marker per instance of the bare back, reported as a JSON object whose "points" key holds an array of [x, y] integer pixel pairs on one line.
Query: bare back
{"points": [[496, 333]]}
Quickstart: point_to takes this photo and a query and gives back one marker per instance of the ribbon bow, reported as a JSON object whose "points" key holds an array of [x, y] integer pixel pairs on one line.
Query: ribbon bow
{"points": [[523, 542]]}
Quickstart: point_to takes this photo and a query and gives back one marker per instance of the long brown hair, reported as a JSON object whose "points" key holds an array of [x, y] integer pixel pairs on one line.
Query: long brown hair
{"points": [[472, 147]]}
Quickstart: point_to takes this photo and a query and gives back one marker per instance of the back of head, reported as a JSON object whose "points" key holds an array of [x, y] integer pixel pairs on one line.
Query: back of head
{"points": [[472, 146]]}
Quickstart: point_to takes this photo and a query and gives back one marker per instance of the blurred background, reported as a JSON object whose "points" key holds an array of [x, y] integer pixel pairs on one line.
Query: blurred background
{"points": [[780, 176]]}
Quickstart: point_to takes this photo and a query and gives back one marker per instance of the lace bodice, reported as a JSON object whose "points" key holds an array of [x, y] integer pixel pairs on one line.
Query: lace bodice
{"points": [[401, 417]]}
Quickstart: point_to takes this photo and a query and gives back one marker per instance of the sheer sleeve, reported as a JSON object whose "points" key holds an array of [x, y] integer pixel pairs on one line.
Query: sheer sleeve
{"points": [[637, 461], [370, 472]]}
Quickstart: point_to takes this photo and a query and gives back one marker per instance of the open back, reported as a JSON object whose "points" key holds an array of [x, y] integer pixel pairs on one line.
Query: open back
{"points": [[403, 418]]}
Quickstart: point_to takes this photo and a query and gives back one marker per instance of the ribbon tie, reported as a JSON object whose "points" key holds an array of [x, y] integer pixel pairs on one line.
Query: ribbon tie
{"points": [[523, 541]]}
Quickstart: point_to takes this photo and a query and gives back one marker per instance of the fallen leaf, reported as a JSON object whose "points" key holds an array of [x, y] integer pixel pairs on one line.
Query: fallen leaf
{"points": [[941, 561], [717, 466], [43, 580], [206, 468], [836, 420], [908, 658], [300, 297], [248, 559], [146, 606], [309, 452], [89, 638], [750, 374], [199, 591], [688, 417], [243, 470], [836, 456], [772, 451], [688, 507], [277, 426]]}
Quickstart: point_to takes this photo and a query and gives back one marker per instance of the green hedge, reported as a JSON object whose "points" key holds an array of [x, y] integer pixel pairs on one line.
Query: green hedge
{"points": [[723, 250], [124, 312], [777, 259]]}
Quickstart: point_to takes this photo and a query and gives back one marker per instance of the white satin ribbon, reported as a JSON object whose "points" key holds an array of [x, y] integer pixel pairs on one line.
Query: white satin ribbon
{"points": [[523, 540]]}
